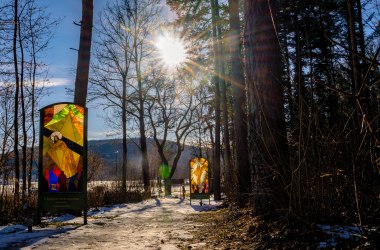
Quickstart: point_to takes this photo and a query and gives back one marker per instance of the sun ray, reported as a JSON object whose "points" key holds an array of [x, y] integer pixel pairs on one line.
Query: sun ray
{"points": [[172, 50]]}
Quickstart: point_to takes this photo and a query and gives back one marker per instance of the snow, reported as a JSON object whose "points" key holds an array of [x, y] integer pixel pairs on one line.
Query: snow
{"points": [[337, 233], [151, 224]]}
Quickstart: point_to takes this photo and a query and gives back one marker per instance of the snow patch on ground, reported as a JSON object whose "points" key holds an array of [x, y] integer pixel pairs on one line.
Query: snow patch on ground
{"points": [[12, 229], [151, 224], [63, 218], [337, 233]]}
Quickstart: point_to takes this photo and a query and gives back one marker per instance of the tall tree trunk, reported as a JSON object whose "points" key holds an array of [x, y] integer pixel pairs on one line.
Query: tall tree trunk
{"points": [[16, 100], [355, 67], [84, 53], [239, 106], [361, 34], [356, 88], [266, 122], [295, 191], [216, 179], [164, 164], [23, 115], [364, 66], [228, 168], [125, 145], [143, 144], [33, 106], [168, 181]]}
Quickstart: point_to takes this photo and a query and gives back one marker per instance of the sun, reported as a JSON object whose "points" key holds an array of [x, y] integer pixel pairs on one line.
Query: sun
{"points": [[171, 50]]}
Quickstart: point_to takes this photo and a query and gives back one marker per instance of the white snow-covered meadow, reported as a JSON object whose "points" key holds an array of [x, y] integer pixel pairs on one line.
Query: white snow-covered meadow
{"points": [[151, 224]]}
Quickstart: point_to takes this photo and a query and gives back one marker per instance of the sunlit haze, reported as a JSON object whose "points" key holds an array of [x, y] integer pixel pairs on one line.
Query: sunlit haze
{"points": [[171, 50]]}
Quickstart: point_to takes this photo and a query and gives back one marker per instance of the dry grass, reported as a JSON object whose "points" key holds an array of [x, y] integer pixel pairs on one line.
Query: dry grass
{"points": [[12, 211], [239, 229]]}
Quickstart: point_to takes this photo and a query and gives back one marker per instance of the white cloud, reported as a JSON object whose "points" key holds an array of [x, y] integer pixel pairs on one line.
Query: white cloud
{"points": [[98, 135], [55, 82]]}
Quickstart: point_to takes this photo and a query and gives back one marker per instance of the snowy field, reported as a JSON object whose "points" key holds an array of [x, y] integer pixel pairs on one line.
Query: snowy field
{"points": [[152, 224]]}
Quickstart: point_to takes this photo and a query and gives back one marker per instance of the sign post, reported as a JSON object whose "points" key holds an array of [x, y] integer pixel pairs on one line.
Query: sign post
{"points": [[62, 175], [199, 183]]}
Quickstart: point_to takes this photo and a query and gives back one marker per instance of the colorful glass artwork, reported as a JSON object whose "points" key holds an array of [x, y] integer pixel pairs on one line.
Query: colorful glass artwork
{"points": [[63, 139], [199, 183]]}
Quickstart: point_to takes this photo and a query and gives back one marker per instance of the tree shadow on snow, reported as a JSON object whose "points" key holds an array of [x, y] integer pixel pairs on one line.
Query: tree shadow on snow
{"points": [[202, 207], [147, 207], [22, 238], [181, 200]]}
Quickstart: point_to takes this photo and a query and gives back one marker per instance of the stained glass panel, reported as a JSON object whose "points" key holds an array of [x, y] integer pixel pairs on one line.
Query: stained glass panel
{"points": [[199, 183], [62, 147]]}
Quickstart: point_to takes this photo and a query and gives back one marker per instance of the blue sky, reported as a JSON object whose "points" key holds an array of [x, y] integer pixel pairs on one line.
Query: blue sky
{"points": [[61, 60]]}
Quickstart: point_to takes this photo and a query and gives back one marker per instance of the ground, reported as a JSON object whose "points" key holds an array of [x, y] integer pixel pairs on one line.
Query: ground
{"points": [[172, 223], [233, 228], [153, 224]]}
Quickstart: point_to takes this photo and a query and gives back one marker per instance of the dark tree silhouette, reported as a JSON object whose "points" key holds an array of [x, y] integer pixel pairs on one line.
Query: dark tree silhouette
{"points": [[266, 122], [81, 80], [239, 104]]}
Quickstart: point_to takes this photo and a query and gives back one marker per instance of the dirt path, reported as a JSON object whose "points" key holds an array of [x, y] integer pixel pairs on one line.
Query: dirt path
{"points": [[155, 224]]}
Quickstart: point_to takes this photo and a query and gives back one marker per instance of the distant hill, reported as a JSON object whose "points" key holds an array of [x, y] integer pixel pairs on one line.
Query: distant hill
{"points": [[111, 151]]}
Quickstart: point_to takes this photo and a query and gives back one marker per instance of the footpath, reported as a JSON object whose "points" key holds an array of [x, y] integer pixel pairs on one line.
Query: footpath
{"points": [[153, 224]]}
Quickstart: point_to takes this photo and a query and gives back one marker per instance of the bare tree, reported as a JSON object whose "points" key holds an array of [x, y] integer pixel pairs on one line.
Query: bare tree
{"points": [[119, 77], [7, 92], [95, 166], [145, 16], [16, 102], [171, 114], [21, 48], [112, 68], [39, 30], [6, 127], [32, 34]]}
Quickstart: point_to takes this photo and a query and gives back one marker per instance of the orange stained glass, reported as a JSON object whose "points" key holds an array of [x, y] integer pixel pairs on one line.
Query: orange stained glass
{"points": [[64, 158], [199, 175], [48, 115]]}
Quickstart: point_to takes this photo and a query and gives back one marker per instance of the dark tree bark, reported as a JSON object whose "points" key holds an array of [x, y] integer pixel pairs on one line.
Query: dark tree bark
{"points": [[228, 169], [216, 172], [266, 122], [355, 67], [81, 80], [143, 144], [33, 105], [364, 66], [353, 43], [239, 105], [16, 101], [23, 114], [124, 128], [361, 34], [357, 91]]}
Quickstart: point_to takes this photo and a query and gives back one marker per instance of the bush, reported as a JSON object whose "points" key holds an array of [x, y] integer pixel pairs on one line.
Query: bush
{"points": [[12, 211]]}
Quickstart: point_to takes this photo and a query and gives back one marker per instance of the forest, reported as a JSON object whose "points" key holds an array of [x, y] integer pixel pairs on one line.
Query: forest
{"points": [[281, 97]]}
